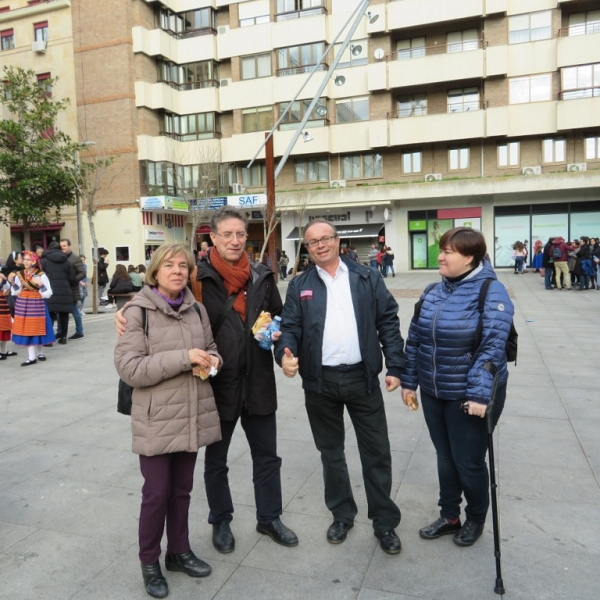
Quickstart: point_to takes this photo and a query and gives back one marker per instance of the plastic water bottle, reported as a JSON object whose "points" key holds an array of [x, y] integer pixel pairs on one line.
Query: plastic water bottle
{"points": [[267, 337]]}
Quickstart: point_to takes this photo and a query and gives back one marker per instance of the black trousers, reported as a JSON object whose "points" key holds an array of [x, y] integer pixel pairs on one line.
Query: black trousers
{"points": [[261, 433], [367, 412], [63, 322]]}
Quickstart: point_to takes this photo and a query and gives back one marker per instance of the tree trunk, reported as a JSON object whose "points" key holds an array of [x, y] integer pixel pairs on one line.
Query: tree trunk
{"points": [[95, 263]]}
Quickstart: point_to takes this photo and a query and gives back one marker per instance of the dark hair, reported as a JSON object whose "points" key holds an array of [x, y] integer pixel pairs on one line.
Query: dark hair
{"points": [[585, 239], [465, 241], [121, 273], [66, 240], [53, 245], [130, 269], [141, 268], [226, 212], [316, 222]]}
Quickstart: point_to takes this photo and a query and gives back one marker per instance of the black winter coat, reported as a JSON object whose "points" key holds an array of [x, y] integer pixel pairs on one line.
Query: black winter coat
{"points": [[247, 378], [120, 286], [583, 254], [79, 274], [102, 272], [61, 274]]}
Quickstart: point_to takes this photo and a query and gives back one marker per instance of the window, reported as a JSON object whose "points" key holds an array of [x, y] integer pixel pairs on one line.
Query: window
{"points": [[458, 158], [530, 27], [412, 48], [535, 88], [254, 12], [463, 99], [257, 119], [509, 154], [412, 106], [592, 147], [187, 24], [40, 31], [354, 55], [7, 39], [291, 9], [44, 80], [580, 82], [298, 110], [299, 59], [258, 65], [4, 9], [352, 109], [412, 162], [311, 169], [362, 166], [189, 76], [462, 41], [122, 253], [200, 126], [255, 176], [584, 23], [554, 150]]}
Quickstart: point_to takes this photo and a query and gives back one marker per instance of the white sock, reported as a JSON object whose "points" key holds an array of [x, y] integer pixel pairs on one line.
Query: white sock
{"points": [[38, 350], [31, 352]]}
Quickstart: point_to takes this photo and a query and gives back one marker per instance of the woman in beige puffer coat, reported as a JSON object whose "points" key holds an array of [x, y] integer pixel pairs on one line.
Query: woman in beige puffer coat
{"points": [[173, 412]]}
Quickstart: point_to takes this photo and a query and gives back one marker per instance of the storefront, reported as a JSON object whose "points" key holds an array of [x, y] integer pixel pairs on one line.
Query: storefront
{"points": [[164, 219], [41, 235]]}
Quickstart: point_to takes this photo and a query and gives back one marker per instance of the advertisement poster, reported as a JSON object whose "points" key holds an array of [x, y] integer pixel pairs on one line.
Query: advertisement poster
{"points": [[419, 250], [508, 230], [585, 224], [435, 230], [547, 226], [473, 222]]}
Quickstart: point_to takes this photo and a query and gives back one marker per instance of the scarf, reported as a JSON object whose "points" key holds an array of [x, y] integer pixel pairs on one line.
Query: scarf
{"points": [[174, 304], [235, 277]]}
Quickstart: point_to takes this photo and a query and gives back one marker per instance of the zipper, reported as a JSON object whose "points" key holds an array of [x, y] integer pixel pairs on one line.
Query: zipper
{"points": [[434, 351]]}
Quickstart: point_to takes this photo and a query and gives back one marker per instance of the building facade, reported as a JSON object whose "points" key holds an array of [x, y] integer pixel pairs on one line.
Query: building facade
{"points": [[479, 112]]}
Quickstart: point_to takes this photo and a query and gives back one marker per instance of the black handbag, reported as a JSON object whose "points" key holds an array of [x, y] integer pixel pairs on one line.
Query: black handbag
{"points": [[125, 394]]}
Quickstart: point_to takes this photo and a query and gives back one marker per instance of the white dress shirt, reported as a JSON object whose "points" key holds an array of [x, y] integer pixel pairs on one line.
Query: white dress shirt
{"points": [[340, 337]]}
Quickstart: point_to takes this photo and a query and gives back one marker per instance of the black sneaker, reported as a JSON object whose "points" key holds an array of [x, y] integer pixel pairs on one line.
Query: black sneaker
{"points": [[77, 336]]}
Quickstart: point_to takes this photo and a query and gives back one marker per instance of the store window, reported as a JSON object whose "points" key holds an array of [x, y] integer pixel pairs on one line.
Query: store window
{"points": [[530, 27], [351, 110], [412, 162], [362, 166], [257, 65], [257, 119], [534, 88], [458, 158], [509, 154], [554, 150]]}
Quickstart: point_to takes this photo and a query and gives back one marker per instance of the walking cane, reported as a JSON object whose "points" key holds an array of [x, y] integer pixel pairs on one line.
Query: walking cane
{"points": [[491, 368]]}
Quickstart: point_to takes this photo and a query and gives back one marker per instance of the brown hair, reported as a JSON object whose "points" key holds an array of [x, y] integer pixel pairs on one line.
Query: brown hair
{"points": [[465, 241], [164, 253]]}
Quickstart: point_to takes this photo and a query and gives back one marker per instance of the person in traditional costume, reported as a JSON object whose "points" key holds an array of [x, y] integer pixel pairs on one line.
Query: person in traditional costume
{"points": [[5, 319], [32, 326]]}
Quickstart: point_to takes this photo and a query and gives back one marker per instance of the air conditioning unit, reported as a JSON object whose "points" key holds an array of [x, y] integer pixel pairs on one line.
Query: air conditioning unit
{"points": [[237, 188], [338, 183], [433, 177], [39, 46], [577, 167], [531, 170], [223, 29], [225, 82]]}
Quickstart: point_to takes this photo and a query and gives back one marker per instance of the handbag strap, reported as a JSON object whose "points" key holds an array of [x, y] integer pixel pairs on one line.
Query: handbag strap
{"points": [[224, 310]]}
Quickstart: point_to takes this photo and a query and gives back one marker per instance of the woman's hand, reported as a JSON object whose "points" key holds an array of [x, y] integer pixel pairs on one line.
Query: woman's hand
{"points": [[202, 358], [215, 362], [475, 408], [120, 322], [409, 397]]}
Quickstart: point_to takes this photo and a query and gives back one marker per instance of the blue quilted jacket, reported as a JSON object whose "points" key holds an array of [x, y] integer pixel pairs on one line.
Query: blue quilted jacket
{"points": [[439, 350]]}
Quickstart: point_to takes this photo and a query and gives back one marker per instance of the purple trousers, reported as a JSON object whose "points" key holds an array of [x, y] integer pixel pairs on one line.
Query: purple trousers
{"points": [[168, 482]]}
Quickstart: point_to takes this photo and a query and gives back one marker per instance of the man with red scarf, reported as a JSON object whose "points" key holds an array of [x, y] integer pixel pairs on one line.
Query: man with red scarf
{"points": [[245, 388]]}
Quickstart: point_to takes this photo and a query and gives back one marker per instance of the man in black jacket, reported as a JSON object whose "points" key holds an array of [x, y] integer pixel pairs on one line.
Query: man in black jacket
{"points": [[245, 388], [337, 319], [65, 246]]}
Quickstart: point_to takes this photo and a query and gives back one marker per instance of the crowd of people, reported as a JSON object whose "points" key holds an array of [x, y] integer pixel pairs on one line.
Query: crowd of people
{"points": [[339, 330]]}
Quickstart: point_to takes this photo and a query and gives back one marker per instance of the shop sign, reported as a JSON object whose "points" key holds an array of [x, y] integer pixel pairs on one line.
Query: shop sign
{"points": [[248, 200], [176, 204], [417, 225], [208, 203], [163, 203], [155, 235], [332, 218]]}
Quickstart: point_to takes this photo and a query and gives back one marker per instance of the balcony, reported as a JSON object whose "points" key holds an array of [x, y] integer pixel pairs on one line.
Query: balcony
{"points": [[156, 42], [415, 13], [581, 113], [161, 95], [254, 40], [300, 14], [570, 49], [236, 95]]}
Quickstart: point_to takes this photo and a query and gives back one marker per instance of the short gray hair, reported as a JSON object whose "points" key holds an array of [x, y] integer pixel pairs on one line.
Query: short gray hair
{"points": [[227, 212], [316, 222]]}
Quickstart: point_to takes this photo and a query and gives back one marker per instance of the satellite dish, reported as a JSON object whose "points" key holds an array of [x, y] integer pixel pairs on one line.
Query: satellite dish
{"points": [[379, 53]]}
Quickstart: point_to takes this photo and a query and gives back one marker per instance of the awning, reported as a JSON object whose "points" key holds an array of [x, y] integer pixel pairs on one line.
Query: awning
{"points": [[347, 231]]}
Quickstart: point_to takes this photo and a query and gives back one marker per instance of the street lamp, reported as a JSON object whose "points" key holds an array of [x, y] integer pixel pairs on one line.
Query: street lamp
{"points": [[77, 193]]}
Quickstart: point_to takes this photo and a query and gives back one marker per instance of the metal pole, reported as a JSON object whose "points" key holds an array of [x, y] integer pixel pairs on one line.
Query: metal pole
{"points": [[77, 198], [361, 9], [270, 174]]}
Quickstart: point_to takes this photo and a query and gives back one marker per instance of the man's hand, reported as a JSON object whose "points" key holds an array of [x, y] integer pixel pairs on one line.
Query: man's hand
{"points": [[392, 383], [202, 359], [120, 322], [475, 408], [289, 363]]}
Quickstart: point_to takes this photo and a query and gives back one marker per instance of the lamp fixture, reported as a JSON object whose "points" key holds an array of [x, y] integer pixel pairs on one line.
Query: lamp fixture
{"points": [[321, 110], [339, 80], [307, 137], [372, 17], [355, 50]]}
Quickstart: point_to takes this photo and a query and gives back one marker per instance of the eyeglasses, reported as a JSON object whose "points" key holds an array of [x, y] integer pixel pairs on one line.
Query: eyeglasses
{"points": [[326, 239], [229, 235]]}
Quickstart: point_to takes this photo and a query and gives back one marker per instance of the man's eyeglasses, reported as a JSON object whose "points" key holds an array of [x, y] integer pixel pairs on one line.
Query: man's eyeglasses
{"points": [[326, 239], [229, 235]]}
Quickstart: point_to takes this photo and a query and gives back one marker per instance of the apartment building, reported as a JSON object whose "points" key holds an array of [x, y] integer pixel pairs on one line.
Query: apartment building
{"points": [[480, 112]]}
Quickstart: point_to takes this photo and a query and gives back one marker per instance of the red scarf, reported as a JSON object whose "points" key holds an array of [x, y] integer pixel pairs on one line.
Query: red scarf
{"points": [[235, 278]]}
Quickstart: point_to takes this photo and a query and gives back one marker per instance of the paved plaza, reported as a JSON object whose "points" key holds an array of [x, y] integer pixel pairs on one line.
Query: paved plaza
{"points": [[70, 486]]}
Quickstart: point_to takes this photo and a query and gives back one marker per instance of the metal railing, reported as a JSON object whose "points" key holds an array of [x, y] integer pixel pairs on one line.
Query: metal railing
{"points": [[299, 70], [581, 29], [192, 85], [299, 14], [182, 35], [423, 51], [590, 92], [467, 106]]}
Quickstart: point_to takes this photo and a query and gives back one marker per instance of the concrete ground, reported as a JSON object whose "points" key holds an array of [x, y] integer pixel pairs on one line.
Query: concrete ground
{"points": [[70, 486]]}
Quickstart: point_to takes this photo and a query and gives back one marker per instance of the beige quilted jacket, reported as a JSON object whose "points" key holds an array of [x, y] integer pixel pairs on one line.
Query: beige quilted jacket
{"points": [[172, 410]]}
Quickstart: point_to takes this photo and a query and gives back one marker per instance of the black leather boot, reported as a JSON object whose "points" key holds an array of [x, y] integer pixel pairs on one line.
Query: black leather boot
{"points": [[187, 563], [156, 584]]}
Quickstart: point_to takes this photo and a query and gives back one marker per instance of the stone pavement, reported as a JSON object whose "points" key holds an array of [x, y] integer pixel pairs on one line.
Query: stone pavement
{"points": [[70, 486]]}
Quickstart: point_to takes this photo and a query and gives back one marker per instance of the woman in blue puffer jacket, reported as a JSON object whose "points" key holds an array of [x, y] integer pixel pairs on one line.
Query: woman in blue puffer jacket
{"points": [[441, 359]]}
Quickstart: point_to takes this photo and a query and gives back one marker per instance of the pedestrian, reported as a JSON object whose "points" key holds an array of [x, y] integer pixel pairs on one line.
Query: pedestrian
{"points": [[388, 262], [102, 268], [173, 413], [442, 361], [583, 271], [283, 264], [61, 274], [234, 292], [5, 319], [380, 256], [83, 290], [14, 264], [65, 245], [559, 255], [352, 254], [519, 254], [141, 269], [338, 355], [595, 251], [373, 252], [119, 284], [32, 326], [548, 264], [135, 278]]}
